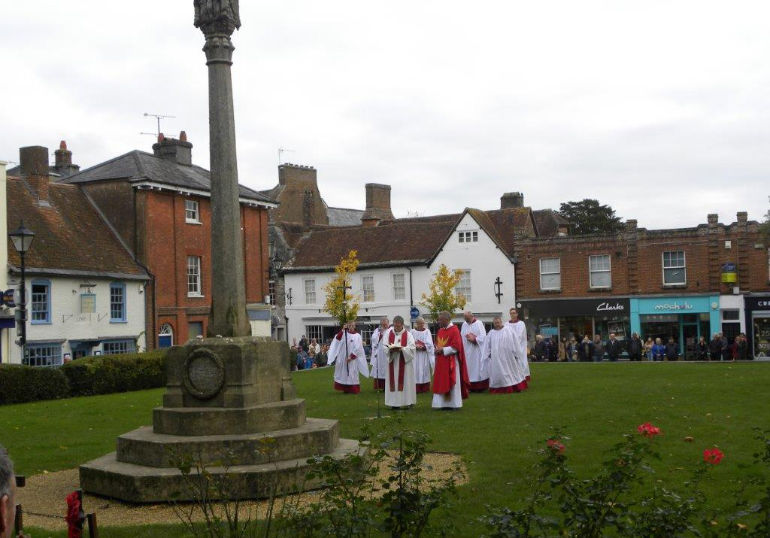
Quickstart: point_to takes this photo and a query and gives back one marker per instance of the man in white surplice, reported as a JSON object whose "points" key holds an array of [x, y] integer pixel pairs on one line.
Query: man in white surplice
{"points": [[424, 357], [400, 390], [499, 350], [473, 334], [347, 351], [519, 330], [379, 357]]}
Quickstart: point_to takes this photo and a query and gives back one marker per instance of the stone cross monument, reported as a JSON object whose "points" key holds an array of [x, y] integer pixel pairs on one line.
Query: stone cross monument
{"points": [[224, 396], [217, 19]]}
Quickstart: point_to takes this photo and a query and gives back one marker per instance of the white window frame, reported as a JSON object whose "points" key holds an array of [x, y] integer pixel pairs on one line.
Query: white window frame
{"points": [[194, 277], [192, 211], [314, 331], [683, 267], [592, 271], [310, 294], [364, 297], [396, 296], [468, 237], [540, 265], [461, 288]]}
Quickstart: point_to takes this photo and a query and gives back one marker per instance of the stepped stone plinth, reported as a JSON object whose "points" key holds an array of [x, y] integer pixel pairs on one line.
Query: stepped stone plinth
{"points": [[225, 398]]}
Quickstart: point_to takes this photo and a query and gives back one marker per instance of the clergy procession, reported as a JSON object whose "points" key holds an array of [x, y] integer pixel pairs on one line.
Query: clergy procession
{"points": [[461, 360]]}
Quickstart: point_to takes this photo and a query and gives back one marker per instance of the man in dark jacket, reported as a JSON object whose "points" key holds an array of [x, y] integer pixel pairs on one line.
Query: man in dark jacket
{"points": [[635, 348], [585, 349], [613, 348], [741, 347], [725, 345], [672, 350], [540, 348], [715, 348]]}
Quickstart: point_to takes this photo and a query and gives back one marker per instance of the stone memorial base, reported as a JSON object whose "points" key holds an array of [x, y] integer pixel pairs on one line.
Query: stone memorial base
{"points": [[228, 400]]}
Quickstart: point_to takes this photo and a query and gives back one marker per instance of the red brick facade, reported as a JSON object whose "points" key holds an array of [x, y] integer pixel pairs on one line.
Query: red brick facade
{"points": [[636, 260]]}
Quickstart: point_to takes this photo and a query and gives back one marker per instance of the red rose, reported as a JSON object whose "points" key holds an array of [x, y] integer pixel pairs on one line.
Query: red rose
{"points": [[648, 430], [713, 456]]}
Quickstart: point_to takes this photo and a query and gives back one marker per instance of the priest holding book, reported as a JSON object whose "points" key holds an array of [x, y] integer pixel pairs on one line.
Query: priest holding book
{"points": [[400, 389]]}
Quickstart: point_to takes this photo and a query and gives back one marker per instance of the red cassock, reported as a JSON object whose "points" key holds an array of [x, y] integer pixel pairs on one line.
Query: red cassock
{"points": [[446, 373]]}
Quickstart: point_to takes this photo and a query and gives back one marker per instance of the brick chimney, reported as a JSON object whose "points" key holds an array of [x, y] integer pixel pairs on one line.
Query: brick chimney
{"points": [[34, 168], [64, 166], [299, 199], [377, 204], [743, 218], [511, 199], [172, 149], [713, 219]]}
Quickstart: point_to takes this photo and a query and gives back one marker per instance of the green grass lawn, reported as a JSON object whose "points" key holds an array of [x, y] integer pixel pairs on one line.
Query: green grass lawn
{"points": [[497, 435]]}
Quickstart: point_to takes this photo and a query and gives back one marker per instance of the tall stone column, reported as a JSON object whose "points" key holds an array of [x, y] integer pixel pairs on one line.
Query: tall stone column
{"points": [[217, 19]]}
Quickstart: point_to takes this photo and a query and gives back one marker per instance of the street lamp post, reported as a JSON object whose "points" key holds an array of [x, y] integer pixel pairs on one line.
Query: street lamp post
{"points": [[22, 239]]}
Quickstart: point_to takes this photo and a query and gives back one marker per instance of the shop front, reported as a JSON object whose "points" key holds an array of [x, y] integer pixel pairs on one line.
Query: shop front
{"points": [[568, 318], [685, 319], [758, 318]]}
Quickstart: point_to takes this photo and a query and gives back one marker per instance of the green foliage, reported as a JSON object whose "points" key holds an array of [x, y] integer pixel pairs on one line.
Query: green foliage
{"points": [[19, 384], [115, 373], [588, 216]]}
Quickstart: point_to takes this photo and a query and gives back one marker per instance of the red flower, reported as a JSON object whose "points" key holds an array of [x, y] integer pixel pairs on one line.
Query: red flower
{"points": [[648, 430], [556, 446], [713, 456]]}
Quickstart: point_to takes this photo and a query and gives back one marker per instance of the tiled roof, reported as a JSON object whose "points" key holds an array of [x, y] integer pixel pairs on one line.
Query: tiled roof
{"points": [[405, 241], [70, 236], [137, 166], [547, 222], [339, 216]]}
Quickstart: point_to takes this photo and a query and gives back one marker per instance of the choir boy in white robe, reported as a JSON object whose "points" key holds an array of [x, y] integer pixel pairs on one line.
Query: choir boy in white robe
{"points": [[424, 356], [400, 390], [379, 357], [519, 330], [473, 334], [347, 351], [499, 350]]}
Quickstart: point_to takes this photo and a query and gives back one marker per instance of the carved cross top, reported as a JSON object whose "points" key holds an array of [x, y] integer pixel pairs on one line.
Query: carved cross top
{"points": [[217, 16]]}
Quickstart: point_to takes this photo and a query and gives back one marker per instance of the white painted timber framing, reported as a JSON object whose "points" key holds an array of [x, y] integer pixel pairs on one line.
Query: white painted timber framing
{"points": [[68, 324], [484, 259]]}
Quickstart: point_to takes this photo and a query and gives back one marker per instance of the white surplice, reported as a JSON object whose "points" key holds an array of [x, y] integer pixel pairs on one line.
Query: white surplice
{"points": [[477, 366], [424, 360], [346, 371], [519, 331], [407, 396], [499, 350], [379, 357]]}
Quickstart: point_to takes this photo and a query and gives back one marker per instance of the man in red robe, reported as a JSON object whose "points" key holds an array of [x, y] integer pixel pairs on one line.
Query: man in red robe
{"points": [[450, 380]]}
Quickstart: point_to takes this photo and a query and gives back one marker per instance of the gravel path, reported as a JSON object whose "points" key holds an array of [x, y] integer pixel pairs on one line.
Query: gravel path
{"points": [[46, 493]]}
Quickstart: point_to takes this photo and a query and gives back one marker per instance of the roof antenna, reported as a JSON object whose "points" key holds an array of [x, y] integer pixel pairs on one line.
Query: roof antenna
{"points": [[281, 151], [158, 117]]}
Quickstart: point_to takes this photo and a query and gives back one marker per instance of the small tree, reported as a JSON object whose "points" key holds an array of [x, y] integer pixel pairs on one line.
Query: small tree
{"points": [[443, 295], [340, 303]]}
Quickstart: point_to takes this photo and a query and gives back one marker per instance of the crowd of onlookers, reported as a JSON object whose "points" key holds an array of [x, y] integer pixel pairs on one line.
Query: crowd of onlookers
{"points": [[309, 354], [587, 349]]}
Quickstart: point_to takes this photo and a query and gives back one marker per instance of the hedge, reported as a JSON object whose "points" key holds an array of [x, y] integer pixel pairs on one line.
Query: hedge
{"points": [[82, 377]]}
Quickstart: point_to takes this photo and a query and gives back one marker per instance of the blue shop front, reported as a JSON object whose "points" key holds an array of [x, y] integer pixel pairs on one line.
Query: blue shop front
{"points": [[685, 319]]}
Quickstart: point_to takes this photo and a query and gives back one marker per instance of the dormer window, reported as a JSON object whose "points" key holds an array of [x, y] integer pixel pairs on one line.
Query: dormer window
{"points": [[191, 212]]}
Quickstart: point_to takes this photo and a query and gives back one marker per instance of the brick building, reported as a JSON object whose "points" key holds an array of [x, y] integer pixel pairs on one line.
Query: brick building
{"points": [[682, 283], [158, 204]]}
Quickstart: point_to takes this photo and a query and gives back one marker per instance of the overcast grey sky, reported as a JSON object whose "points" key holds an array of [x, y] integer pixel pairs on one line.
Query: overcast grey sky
{"points": [[659, 108]]}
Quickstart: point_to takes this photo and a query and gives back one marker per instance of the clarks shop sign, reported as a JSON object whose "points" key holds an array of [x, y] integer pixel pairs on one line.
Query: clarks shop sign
{"points": [[577, 307]]}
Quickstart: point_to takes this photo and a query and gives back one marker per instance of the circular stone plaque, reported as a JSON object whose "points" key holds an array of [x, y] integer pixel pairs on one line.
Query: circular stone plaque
{"points": [[204, 374]]}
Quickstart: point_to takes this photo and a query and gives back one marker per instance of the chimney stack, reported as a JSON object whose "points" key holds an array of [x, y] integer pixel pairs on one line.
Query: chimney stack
{"points": [[171, 149], [64, 166], [511, 199], [713, 219], [377, 204], [34, 167], [743, 218]]}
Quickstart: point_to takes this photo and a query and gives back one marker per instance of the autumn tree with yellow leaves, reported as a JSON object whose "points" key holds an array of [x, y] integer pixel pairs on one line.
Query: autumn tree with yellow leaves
{"points": [[443, 294], [340, 303]]}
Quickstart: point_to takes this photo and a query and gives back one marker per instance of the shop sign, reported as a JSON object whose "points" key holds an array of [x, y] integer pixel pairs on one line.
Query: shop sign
{"points": [[8, 298], [669, 307], [678, 305], [757, 303], [576, 307], [729, 273]]}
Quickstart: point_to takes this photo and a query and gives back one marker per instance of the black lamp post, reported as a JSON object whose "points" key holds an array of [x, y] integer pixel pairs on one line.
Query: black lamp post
{"points": [[22, 239]]}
